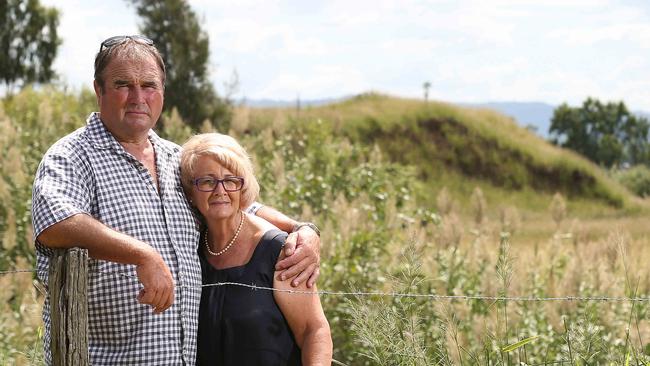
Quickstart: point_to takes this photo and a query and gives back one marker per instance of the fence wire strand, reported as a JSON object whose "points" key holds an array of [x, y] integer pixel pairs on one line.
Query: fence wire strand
{"points": [[18, 271], [358, 294]]}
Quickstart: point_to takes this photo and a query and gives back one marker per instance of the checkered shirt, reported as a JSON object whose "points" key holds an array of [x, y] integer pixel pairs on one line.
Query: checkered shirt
{"points": [[88, 172]]}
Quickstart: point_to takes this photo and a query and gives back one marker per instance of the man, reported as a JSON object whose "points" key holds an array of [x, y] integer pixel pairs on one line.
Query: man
{"points": [[113, 188]]}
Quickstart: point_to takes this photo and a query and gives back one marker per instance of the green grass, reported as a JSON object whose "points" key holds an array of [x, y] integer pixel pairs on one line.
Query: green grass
{"points": [[449, 144]]}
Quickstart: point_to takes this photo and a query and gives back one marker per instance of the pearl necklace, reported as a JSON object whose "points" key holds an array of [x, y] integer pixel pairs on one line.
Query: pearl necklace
{"points": [[232, 241]]}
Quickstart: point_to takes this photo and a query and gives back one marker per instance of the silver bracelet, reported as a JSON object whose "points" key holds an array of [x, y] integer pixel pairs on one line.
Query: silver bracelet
{"points": [[310, 225]]}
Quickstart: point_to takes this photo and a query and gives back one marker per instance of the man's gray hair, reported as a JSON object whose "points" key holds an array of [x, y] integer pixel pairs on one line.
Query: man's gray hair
{"points": [[128, 48]]}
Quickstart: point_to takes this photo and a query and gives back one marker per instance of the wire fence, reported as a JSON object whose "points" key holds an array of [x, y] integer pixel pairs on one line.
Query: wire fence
{"points": [[375, 294], [359, 294]]}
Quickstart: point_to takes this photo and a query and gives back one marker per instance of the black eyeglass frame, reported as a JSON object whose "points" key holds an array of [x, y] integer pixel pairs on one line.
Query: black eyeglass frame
{"points": [[115, 40], [217, 181]]}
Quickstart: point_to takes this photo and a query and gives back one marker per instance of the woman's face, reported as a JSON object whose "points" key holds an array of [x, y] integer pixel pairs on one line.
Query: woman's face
{"points": [[219, 203]]}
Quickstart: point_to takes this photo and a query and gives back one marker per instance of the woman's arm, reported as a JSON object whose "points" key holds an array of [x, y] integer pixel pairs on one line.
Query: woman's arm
{"points": [[307, 321]]}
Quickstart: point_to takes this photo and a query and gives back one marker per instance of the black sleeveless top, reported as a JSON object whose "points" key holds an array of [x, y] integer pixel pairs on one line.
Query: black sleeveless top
{"points": [[239, 325]]}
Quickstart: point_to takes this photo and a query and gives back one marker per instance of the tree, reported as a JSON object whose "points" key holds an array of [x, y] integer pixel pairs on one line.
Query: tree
{"points": [[28, 42], [177, 34], [607, 134]]}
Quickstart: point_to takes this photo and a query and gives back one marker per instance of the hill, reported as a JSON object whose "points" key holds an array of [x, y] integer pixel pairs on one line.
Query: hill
{"points": [[460, 148], [279, 103], [533, 115]]}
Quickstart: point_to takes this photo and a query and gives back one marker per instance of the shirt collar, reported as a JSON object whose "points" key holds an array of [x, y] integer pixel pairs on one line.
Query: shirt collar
{"points": [[102, 138]]}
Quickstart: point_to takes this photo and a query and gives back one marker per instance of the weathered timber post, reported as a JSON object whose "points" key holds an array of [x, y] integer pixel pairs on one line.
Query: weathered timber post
{"points": [[67, 284]]}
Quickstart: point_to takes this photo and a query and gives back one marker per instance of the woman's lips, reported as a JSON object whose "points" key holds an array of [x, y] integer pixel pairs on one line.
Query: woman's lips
{"points": [[219, 203]]}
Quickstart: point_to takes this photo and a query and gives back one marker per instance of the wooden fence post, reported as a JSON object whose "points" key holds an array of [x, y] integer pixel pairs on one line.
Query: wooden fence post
{"points": [[68, 291]]}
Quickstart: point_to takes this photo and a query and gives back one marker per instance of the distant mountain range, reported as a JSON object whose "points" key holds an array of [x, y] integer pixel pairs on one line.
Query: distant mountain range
{"points": [[272, 103], [535, 116]]}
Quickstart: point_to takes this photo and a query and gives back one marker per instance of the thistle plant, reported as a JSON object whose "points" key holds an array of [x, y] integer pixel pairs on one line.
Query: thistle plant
{"points": [[444, 202], [479, 207], [558, 209], [509, 219], [504, 272]]}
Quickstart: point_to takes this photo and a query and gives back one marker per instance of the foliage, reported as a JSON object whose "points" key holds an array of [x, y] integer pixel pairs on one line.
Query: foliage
{"points": [[28, 41], [558, 209], [307, 173], [173, 128], [402, 330], [30, 122], [406, 330], [20, 320], [379, 234], [608, 134], [177, 34], [477, 145], [636, 179]]}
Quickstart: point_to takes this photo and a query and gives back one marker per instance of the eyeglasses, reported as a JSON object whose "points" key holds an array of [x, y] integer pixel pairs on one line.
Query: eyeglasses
{"points": [[110, 42], [209, 184]]}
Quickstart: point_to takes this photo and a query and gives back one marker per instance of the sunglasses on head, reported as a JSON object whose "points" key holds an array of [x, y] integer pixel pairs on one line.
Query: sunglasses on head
{"points": [[110, 42]]}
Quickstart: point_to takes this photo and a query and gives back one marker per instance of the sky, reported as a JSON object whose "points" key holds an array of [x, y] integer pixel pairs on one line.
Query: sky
{"points": [[471, 51]]}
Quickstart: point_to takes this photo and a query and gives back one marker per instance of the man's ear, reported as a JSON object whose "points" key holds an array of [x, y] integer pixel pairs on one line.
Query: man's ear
{"points": [[98, 91]]}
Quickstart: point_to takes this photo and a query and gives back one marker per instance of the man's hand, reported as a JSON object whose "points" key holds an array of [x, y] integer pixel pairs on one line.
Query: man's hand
{"points": [[302, 261], [158, 283], [104, 243]]}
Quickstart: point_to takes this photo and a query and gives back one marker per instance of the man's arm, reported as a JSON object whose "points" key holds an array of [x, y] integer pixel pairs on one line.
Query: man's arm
{"points": [[104, 243], [302, 248], [61, 201]]}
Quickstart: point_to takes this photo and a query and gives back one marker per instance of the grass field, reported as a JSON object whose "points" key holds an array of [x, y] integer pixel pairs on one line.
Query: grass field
{"points": [[400, 211], [603, 256]]}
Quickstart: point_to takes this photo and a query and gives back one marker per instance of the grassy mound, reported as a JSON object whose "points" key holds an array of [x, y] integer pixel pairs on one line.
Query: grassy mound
{"points": [[447, 144]]}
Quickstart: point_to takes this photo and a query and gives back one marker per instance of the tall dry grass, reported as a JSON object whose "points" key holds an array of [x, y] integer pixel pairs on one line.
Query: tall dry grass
{"points": [[380, 234]]}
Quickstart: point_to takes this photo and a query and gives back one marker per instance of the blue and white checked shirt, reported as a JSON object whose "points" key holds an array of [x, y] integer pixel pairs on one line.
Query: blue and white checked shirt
{"points": [[88, 172]]}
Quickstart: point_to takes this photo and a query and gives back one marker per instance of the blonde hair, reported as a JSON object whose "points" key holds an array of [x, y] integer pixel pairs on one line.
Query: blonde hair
{"points": [[228, 153]]}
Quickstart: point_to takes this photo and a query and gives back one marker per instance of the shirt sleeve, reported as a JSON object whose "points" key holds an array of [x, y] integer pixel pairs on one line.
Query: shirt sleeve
{"points": [[62, 189], [254, 207], [274, 246]]}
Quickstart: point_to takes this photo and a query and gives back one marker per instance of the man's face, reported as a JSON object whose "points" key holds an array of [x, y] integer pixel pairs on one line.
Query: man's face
{"points": [[132, 97]]}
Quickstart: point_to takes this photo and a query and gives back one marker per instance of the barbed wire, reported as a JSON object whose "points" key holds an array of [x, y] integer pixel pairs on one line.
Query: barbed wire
{"points": [[18, 271], [255, 287]]}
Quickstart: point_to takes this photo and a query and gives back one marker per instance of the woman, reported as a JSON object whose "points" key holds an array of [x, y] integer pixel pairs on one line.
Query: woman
{"points": [[239, 325]]}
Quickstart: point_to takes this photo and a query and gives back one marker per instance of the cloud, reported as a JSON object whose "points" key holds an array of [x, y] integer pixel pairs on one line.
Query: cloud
{"points": [[83, 27], [320, 81], [244, 35], [588, 36], [551, 50]]}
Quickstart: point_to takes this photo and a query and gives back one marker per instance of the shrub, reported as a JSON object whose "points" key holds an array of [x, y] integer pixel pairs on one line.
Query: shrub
{"points": [[636, 179]]}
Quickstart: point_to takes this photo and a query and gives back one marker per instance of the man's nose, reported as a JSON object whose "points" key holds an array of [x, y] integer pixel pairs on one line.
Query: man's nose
{"points": [[136, 94]]}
